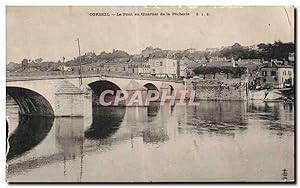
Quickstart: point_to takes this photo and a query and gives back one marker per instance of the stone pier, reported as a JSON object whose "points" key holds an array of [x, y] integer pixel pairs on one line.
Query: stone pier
{"points": [[72, 101]]}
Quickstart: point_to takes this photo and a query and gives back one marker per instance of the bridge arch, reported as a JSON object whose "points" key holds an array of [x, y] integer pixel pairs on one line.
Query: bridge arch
{"points": [[30, 102], [167, 87], [100, 86], [171, 89], [151, 86]]}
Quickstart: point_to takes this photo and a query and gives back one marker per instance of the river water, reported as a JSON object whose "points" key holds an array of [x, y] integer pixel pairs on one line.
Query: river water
{"points": [[215, 141]]}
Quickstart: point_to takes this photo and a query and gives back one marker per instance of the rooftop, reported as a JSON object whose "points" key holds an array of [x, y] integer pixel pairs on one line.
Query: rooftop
{"points": [[273, 64]]}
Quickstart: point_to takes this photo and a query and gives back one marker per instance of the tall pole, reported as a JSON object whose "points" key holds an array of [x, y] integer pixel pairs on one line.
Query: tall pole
{"points": [[80, 68], [63, 67]]}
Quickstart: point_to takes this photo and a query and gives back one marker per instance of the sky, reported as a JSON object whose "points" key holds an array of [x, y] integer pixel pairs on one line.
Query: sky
{"points": [[50, 32]]}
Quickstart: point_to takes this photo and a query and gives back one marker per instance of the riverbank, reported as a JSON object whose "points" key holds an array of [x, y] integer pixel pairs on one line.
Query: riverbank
{"points": [[236, 90], [286, 94], [219, 90]]}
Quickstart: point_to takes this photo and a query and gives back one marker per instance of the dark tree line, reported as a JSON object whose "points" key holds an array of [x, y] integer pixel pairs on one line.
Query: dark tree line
{"points": [[278, 50], [235, 71]]}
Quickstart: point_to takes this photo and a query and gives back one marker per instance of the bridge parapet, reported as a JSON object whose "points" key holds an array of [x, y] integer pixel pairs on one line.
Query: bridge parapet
{"points": [[71, 74]]}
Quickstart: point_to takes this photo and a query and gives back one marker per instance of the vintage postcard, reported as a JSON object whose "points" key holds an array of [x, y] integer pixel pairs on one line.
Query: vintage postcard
{"points": [[150, 94]]}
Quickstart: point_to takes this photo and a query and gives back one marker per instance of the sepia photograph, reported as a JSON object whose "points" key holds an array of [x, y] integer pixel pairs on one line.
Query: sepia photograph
{"points": [[141, 94]]}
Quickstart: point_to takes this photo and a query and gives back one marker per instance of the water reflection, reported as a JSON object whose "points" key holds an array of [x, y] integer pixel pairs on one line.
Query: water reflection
{"points": [[69, 137], [136, 116], [275, 116], [161, 143], [214, 116], [29, 133], [106, 121], [155, 131], [152, 111], [154, 135]]}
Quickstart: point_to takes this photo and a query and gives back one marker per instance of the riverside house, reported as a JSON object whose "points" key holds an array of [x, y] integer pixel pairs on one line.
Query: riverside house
{"points": [[138, 65], [276, 74], [163, 67]]}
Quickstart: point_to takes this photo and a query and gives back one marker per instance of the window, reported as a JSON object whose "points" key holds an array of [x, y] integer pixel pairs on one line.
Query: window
{"points": [[290, 72], [264, 73], [173, 64], [153, 70], [284, 73], [273, 73], [264, 80], [161, 63]]}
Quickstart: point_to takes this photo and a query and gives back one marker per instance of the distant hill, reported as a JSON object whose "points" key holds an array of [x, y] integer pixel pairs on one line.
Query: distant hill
{"points": [[91, 57], [277, 50]]}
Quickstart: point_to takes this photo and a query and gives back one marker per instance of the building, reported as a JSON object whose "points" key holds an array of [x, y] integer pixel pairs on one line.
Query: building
{"points": [[89, 67], [140, 68], [115, 67], [163, 67], [64, 68], [182, 68], [217, 58], [138, 65], [291, 58], [144, 68], [94, 67], [275, 75]]}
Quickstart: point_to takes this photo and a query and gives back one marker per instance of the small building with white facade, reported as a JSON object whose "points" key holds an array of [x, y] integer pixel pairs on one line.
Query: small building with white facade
{"points": [[163, 67], [276, 75]]}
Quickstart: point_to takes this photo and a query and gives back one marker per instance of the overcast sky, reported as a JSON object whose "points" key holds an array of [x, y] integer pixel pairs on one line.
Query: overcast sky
{"points": [[50, 32]]}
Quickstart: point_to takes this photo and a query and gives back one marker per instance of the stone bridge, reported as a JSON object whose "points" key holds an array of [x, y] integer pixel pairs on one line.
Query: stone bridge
{"points": [[69, 95]]}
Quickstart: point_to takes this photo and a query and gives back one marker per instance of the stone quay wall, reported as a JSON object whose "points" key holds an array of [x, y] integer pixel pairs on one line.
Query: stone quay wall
{"points": [[233, 89]]}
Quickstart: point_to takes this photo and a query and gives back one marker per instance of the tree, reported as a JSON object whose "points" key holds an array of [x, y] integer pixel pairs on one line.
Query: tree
{"points": [[207, 56], [39, 60], [24, 64], [235, 71], [278, 50]]}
